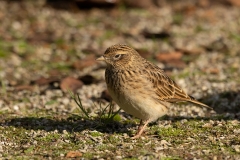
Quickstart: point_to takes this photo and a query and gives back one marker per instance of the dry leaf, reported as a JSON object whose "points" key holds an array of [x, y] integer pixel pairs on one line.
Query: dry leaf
{"points": [[70, 83], [86, 62], [234, 2], [173, 59], [73, 154], [45, 81], [169, 57], [24, 87]]}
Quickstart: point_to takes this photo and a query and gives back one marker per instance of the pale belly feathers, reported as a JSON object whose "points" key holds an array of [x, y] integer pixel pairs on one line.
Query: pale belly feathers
{"points": [[141, 106]]}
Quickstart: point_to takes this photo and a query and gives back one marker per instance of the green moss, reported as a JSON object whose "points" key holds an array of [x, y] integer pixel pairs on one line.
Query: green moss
{"points": [[232, 69], [189, 58], [170, 132], [183, 74], [104, 147], [106, 35], [3, 53], [188, 133], [96, 134], [29, 150], [113, 139], [50, 137], [171, 158], [59, 42], [199, 28], [106, 118], [5, 49], [88, 155], [235, 36], [62, 66], [178, 18], [51, 102], [23, 48]]}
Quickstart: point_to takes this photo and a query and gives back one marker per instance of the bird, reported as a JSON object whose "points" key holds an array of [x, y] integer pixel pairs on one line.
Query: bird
{"points": [[139, 87]]}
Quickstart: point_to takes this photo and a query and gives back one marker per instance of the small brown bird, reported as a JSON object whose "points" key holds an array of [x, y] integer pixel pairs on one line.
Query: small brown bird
{"points": [[139, 87]]}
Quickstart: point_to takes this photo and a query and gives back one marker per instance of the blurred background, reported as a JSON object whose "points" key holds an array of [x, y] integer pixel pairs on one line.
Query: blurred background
{"points": [[50, 46]]}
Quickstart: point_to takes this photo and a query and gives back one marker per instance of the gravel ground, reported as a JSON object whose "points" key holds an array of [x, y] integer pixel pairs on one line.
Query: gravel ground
{"points": [[40, 46]]}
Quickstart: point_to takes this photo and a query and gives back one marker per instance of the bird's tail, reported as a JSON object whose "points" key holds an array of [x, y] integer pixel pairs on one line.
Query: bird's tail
{"points": [[193, 100]]}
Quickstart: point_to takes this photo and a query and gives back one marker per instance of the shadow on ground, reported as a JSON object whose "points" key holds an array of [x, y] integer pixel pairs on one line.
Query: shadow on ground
{"points": [[70, 124], [226, 105]]}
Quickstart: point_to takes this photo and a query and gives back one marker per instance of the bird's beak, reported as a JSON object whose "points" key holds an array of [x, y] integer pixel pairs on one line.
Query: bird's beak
{"points": [[100, 58]]}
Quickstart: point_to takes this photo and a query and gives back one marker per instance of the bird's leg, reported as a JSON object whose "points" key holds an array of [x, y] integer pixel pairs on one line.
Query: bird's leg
{"points": [[141, 128]]}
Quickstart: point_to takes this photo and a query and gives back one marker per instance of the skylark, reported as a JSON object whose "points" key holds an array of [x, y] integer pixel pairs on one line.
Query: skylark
{"points": [[139, 87]]}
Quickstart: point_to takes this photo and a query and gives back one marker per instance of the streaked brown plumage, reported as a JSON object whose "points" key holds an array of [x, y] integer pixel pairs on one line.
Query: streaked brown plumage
{"points": [[139, 87]]}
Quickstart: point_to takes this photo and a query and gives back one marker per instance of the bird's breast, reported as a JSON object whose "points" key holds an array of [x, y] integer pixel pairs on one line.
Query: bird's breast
{"points": [[134, 94]]}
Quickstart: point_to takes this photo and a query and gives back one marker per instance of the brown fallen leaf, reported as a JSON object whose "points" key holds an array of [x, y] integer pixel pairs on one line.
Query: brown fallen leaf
{"points": [[203, 3], [73, 154], [54, 73], [24, 87], [185, 8], [45, 81], [168, 57], [191, 51], [70, 83], [234, 2], [209, 15], [214, 71], [86, 62], [173, 59], [211, 70]]}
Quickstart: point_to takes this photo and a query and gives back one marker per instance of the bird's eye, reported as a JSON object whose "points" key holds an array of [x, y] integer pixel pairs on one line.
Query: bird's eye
{"points": [[117, 56]]}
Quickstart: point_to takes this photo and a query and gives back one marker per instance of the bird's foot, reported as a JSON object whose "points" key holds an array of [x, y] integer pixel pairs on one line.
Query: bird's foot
{"points": [[141, 128]]}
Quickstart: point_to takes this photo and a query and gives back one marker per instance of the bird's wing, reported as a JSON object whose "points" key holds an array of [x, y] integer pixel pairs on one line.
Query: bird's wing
{"points": [[166, 89]]}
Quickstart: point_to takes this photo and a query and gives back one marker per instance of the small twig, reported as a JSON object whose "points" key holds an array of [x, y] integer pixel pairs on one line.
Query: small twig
{"points": [[79, 103]]}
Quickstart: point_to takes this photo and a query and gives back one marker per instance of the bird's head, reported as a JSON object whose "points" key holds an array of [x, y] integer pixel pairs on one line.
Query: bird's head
{"points": [[120, 56]]}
